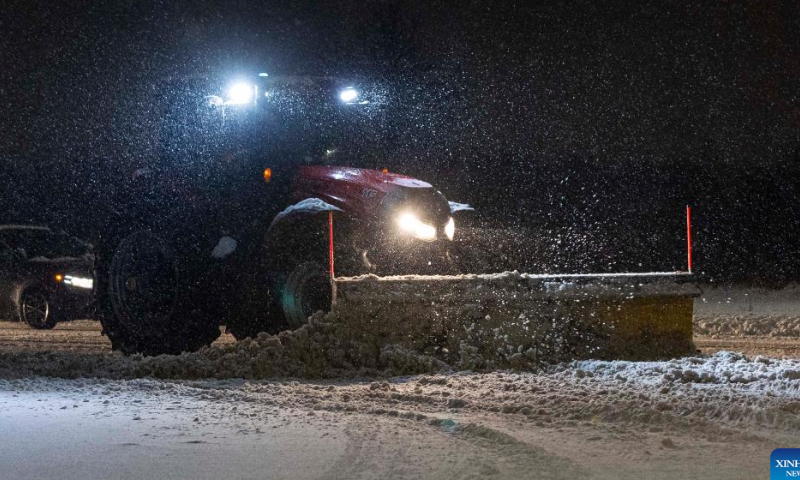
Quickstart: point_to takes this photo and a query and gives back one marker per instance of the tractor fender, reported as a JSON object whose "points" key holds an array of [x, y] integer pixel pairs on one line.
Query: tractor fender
{"points": [[460, 207], [299, 231], [465, 215], [309, 206], [296, 236]]}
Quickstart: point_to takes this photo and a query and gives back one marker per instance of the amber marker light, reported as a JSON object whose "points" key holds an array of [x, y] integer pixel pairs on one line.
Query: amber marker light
{"points": [[267, 175], [59, 277]]}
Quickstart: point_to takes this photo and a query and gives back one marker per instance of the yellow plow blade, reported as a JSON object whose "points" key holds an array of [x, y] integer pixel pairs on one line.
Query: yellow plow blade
{"points": [[517, 320]]}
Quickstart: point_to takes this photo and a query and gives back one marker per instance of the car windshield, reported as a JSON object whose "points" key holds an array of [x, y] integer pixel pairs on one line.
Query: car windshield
{"points": [[36, 243]]}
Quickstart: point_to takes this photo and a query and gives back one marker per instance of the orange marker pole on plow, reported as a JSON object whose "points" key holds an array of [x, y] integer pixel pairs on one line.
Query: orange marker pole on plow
{"points": [[688, 236], [330, 241], [330, 257]]}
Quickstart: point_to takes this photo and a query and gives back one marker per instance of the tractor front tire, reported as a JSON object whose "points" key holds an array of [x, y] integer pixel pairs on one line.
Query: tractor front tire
{"points": [[307, 290], [147, 303]]}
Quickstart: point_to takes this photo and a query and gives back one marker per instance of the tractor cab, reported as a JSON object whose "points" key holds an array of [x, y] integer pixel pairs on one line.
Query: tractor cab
{"points": [[302, 120], [250, 136], [235, 217]]}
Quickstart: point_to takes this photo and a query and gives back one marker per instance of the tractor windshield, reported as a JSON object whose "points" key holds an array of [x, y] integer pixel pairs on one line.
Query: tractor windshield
{"points": [[308, 120], [279, 123]]}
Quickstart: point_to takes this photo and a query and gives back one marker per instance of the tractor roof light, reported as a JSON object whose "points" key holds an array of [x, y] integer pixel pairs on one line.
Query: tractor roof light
{"points": [[240, 94]]}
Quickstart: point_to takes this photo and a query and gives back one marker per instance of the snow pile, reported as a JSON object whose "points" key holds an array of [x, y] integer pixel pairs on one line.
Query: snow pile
{"points": [[322, 349], [664, 281], [504, 321], [723, 390], [720, 391], [748, 325], [759, 374], [741, 311], [726, 386]]}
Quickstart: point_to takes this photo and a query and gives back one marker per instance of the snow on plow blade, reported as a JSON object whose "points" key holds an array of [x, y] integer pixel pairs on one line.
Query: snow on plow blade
{"points": [[521, 320]]}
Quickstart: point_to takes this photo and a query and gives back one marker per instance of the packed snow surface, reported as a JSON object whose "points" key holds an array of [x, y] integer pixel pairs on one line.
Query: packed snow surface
{"points": [[731, 311], [689, 418], [748, 325], [726, 387], [251, 409]]}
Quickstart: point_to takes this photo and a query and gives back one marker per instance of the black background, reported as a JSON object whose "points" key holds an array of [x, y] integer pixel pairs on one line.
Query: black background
{"points": [[588, 125]]}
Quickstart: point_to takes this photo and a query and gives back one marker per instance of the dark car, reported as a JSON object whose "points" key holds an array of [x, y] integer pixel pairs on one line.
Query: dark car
{"points": [[45, 277]]}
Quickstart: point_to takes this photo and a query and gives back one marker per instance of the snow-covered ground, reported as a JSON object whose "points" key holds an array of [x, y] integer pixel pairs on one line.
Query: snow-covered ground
{"points": [[693, 418], [749, 320], [725, 302], [403, 415]]}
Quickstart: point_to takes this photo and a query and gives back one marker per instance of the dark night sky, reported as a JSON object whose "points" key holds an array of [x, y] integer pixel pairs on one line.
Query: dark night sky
{"points": [[578, 114]]}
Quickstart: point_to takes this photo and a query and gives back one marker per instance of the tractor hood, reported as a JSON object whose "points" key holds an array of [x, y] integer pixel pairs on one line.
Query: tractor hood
{"points": [[369, 193]]}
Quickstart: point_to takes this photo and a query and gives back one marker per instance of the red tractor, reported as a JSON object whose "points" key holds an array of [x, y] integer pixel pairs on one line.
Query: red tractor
{"points": [[231, 220]]}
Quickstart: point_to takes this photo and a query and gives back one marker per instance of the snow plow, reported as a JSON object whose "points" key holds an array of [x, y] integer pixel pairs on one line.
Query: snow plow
{"points": [[517, 319], [234, 223]]}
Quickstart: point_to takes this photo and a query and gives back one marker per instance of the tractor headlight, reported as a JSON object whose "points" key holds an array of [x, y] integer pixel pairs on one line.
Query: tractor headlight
{"points": [[450, 228], [410, 224], [79, 282], [348, 95]]}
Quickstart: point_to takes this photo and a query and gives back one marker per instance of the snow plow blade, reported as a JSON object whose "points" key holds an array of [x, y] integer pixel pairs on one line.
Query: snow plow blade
{"points": [[519, 320]]}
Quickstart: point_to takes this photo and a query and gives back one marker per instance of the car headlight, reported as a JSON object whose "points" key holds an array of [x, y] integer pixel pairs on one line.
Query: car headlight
{"points": [[450, 228], [409, 223], [79, 282]]}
